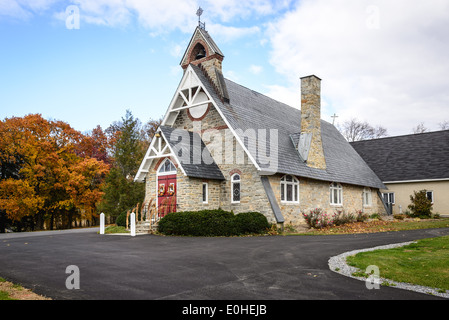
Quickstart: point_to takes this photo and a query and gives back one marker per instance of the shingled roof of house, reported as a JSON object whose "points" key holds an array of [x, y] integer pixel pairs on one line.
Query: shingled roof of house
{"points": [[423, 156], [248, 109]]}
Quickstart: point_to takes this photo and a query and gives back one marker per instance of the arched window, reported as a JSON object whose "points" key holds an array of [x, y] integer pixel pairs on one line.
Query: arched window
{"points": [[336, 193], [367, 198], [235, 188], [289, 189], [166, 167], [198, 52]]}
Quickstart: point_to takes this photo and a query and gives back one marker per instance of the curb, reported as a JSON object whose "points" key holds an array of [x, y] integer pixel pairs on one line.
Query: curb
{"points": [[339, 263]]}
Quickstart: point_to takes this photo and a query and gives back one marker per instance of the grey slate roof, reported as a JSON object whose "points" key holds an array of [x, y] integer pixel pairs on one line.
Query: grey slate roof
{"points": [[191, 151], [248, 109], [409, 157]]}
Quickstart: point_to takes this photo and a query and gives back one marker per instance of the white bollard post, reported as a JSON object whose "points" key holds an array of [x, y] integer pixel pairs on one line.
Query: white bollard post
{"points": [[102, 223], [133, 224]]}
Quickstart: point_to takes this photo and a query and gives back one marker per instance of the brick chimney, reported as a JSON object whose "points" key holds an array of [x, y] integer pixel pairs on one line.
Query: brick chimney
{"points": [[310, 144]]}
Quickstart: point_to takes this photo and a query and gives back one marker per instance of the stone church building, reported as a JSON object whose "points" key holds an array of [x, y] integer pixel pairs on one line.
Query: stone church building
{"points": [[222, 145]]}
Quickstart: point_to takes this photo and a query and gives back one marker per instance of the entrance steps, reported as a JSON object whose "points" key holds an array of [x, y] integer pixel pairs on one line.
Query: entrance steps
{"points": [[145, 227]]}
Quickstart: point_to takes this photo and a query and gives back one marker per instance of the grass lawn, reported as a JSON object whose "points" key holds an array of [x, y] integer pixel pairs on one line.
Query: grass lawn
{"points": [[115, 229], [10, 291], [423, 263]]}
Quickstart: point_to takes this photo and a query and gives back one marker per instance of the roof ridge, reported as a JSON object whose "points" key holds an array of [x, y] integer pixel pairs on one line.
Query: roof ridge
{"points": [[402, 136]]}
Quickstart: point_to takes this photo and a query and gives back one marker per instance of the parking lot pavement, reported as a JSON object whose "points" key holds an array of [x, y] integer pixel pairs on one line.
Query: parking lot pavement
{"points": [[153, 267]]}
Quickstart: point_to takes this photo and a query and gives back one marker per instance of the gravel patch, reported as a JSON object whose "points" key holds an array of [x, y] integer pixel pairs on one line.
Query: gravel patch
{"points": [[338, 264]]}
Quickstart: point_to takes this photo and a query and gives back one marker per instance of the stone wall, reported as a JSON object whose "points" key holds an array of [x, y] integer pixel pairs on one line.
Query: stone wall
{"points": [[315, 194]]}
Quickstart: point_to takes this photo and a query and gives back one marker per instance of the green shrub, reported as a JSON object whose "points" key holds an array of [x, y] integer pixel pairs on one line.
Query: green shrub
{"points": [[251, 222], [207, 223], [121, 220], [421, 206]]}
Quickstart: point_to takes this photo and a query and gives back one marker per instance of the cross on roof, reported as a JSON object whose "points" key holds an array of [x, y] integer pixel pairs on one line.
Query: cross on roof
{"points": [[199, 12], [334, 116]]}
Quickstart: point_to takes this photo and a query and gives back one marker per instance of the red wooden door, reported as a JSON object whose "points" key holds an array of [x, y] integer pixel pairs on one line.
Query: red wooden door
{"points": [[166, 199]]}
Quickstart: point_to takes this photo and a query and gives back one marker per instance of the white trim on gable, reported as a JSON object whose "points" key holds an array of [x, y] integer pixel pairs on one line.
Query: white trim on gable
{"points": [[189, 81], [155, 151]]}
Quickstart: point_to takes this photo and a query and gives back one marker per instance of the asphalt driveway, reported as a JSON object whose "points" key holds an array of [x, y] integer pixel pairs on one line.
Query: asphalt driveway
{"points": [[152, 267]]}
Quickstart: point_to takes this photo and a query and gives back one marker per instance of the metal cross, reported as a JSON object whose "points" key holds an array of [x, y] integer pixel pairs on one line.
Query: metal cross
{"points": [[199, 12], [334, 116]]}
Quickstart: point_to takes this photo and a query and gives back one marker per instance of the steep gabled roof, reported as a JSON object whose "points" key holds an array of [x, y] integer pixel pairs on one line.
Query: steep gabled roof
{"points": [[250, 110], [411, 157], [205, 35]]}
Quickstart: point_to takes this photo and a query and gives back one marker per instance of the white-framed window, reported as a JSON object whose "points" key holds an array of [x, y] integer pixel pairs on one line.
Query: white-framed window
{"points": [[429, 195], [205, 192], [336, 193], [235, 188], [289, 189], [166, 167], [388, 197], [367, 197]]}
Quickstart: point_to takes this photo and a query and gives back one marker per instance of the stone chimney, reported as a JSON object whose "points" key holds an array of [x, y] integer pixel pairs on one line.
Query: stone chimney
{"points": [[310, 145]]}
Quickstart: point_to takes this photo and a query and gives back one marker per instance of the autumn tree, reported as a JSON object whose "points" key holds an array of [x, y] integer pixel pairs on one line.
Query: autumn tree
{"points": [[41, 169]]}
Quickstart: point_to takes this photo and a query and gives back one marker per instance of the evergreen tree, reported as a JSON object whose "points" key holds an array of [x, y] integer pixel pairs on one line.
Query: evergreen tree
{"points": [[121, 192]]}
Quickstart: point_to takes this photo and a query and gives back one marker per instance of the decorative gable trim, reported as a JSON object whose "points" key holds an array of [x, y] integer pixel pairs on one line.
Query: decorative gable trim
{"points": [[158, 149]]}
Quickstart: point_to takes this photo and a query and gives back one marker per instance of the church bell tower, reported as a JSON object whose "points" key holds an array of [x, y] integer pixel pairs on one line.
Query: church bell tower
{"points": [[203, 52]]}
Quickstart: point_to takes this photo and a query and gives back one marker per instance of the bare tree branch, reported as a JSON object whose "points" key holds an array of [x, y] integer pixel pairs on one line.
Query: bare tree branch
{"points": [[420, 128], [355, 130], [444, 125]]}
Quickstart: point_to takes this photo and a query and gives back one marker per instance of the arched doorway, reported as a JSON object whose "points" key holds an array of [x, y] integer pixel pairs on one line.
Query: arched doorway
{"points": [[166, 187]]}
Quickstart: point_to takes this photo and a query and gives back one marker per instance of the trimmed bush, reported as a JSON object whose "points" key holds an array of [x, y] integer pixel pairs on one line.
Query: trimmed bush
{"points": [[251, 222], [209, 223]]}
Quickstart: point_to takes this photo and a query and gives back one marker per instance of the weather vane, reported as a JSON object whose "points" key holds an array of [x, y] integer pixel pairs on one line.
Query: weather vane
{"points": [[199, 12]]}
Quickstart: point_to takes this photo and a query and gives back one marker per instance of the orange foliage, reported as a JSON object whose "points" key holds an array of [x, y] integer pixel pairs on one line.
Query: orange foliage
{"points": [[54, 168]]}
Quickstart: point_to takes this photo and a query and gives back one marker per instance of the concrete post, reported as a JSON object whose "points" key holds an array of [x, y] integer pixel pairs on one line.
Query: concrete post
{"points": [[102, 223], [133, 224]]}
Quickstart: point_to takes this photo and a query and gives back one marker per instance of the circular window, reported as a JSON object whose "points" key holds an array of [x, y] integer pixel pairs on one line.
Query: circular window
{"points": [[200, 110]]}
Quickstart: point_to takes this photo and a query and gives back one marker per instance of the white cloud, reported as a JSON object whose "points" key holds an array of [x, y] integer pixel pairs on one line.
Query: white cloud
{"points": [[226, 34], [24, 9], [385, 63], [254, 69], [227, 10]]}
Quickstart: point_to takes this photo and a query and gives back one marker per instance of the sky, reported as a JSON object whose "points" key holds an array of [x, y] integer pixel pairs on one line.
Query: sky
{"points": [[86, 62]]}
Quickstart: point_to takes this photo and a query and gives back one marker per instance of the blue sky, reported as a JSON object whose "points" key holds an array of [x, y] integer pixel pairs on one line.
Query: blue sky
{"points": [[380, 62]]}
